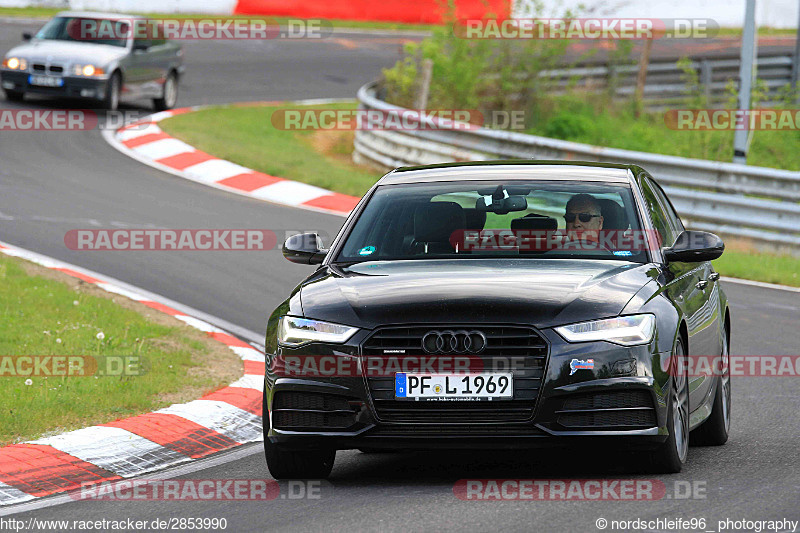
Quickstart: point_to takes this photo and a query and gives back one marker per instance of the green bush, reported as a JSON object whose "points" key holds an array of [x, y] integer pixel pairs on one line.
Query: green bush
{"points": [[568, 126]]}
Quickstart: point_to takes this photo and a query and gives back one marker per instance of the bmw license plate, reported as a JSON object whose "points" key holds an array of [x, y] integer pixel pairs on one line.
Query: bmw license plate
{"points": [[45, 81], [444, 387]]}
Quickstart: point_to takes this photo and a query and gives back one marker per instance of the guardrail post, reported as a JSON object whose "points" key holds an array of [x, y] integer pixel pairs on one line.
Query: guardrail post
{"points": [[796, 61], [747, 71], [424, 84], [705, 79]]}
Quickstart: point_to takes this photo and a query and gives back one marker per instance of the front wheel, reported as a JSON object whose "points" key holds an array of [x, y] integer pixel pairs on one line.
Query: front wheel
{"points": [[170, 96], [714, 431], [298, 464], [113, 90], [670, 457], [14, 96]]}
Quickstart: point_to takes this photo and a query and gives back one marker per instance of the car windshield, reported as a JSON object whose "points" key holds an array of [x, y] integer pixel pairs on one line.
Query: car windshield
{"points": [[86, 30], [498, 219]]}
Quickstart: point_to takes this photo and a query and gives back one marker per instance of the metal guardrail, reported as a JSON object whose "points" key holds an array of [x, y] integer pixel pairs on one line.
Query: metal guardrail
{"points": [[666, 86], [755, 203]]}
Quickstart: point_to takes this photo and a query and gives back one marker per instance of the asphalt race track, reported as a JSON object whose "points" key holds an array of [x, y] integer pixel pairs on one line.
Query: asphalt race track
{"points": [[52, 182]]}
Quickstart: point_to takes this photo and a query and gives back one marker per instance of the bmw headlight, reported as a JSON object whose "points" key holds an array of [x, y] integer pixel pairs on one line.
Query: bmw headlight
{"points": [[15, 63], [625, 330], [87, 70], [294, 332]]}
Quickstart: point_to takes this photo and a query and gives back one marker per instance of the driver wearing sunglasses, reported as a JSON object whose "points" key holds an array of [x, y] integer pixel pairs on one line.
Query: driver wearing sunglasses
{"points": [[583, 213], [583, 217]]}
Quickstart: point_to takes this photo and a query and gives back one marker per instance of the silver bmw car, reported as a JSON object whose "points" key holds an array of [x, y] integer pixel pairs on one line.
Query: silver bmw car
{"points": [[68, 57]]}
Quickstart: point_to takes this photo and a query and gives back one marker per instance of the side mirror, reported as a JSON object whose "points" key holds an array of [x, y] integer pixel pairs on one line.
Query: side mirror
{"points": [[304, 249], [139, 46], [694, 247], [26, 36]]}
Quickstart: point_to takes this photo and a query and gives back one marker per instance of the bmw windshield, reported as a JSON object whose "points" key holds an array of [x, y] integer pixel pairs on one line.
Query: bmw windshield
{"points": [[498, 219], [85, 30]]}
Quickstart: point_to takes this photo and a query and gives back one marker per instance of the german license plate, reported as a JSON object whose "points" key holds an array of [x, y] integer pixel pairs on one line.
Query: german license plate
{"points": [[444, 387], [45, 81]]}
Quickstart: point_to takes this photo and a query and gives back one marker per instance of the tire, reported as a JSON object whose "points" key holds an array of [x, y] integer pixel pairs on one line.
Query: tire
{"points": [[14, 96], [170, 96], [298, 464], [113, 90], [670, 457], [714, 431]]}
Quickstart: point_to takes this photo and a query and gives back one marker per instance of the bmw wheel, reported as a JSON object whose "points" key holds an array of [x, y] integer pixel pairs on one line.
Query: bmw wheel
{"points": [[170, 96], [113, 89]]}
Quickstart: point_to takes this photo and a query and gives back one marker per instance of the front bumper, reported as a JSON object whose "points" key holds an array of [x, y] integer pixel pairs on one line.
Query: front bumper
{"points": [[73, 87], [621, 397]]}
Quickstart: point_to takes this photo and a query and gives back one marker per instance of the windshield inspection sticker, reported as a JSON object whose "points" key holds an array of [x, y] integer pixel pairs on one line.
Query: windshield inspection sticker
{"points": [[367, 250], [580, 364], [623, 252]]}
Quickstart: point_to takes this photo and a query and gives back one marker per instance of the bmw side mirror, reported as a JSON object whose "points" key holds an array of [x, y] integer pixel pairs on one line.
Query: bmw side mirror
{"points": [[304, 249], [26, 36], [694, 247]]}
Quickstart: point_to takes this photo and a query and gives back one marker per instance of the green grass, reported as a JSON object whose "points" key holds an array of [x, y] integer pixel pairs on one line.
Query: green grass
{"points": [[46, 12], [246, 135], [782, 269], [41, 316], [585, 119]]}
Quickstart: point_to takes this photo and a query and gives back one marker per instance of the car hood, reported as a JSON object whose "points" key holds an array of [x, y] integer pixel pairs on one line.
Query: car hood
{"points": [[539, 292], [68, 52]]}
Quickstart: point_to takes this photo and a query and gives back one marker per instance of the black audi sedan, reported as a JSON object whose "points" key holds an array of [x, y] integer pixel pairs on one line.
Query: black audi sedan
{"points": [[496, 305]]}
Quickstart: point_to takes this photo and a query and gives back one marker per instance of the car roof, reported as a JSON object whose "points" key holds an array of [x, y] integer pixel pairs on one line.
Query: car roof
{"points": [[522, 169], [98, 15]]}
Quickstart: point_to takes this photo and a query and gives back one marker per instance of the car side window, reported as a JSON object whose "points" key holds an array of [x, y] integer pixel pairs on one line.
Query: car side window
{"points": [[142, 38], [657, 214], [669, 209], [158, 34]]}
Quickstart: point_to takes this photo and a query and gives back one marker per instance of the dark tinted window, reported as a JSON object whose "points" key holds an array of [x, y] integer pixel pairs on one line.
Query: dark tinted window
{"points": [[489, 218], [672, 215], [661, 222]]}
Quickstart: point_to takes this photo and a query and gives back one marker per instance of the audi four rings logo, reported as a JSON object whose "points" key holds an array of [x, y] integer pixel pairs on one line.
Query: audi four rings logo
{"points": [[454, 341]]}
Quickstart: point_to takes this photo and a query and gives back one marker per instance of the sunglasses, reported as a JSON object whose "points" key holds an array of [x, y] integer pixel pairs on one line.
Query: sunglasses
{"points": [[584, 217]]}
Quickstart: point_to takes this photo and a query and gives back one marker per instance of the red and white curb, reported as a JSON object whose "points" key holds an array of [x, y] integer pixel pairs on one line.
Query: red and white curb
{"points": [[133, 446], [146, 142]]}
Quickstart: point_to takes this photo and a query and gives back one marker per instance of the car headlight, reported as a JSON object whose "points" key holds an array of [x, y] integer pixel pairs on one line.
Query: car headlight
{"points": [[15, 63], [625, 330], [293, 331], [87, 70]]}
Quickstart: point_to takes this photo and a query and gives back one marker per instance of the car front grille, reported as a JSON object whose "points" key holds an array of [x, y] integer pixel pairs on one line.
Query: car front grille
{"points": [[298, 411], [41, 68], [608, 410], [518, 349]]}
